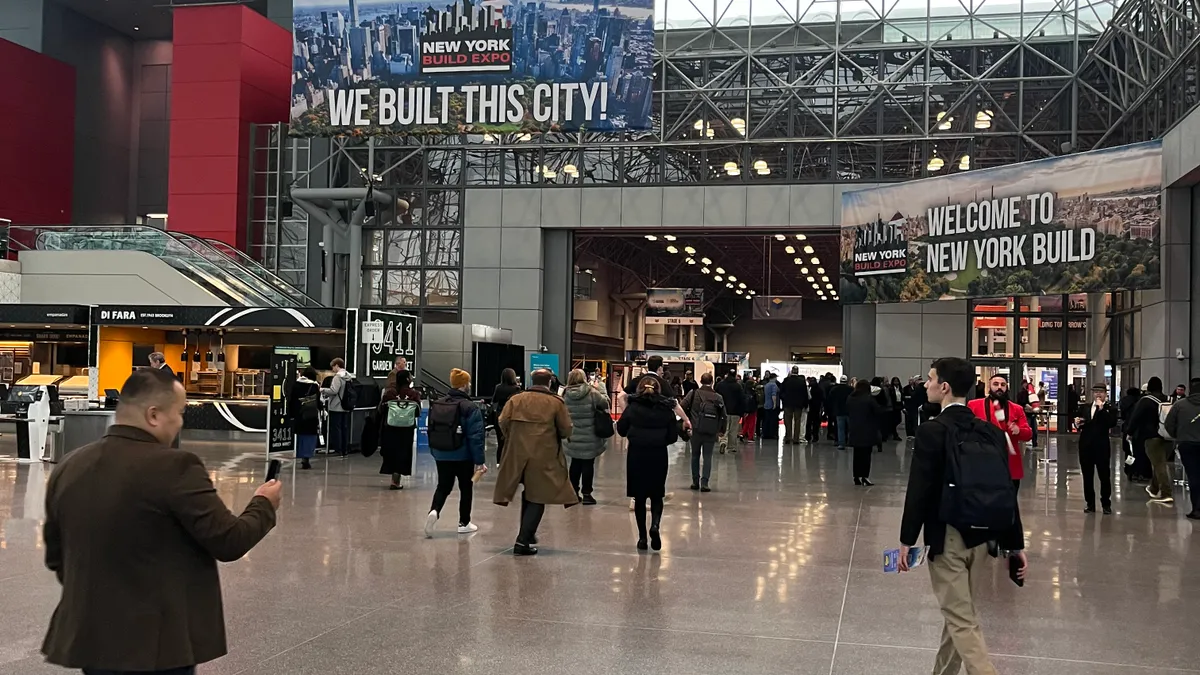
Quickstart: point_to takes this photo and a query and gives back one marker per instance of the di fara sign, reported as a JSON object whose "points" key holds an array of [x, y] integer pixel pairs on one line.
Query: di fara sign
{"points": [[1082, 223]]}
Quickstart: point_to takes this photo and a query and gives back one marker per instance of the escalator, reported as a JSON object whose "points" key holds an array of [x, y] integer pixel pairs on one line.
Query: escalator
{"points": [[233, 277]]}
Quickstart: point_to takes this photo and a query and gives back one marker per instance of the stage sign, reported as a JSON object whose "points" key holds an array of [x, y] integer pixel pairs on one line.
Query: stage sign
{"points": [[362, 67], [675, 306], [1075, 224]]}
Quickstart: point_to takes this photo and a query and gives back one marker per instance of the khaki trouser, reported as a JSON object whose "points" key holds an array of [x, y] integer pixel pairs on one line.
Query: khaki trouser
{"points": [[1157, 450], [733, 426], [952, 574], [793, 423]]}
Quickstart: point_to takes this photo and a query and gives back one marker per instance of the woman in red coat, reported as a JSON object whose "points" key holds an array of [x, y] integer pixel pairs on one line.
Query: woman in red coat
{"points": [[1010, 418]]}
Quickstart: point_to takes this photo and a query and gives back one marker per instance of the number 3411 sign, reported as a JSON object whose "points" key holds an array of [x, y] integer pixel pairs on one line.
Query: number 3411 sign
{"points": [[387, 336]]}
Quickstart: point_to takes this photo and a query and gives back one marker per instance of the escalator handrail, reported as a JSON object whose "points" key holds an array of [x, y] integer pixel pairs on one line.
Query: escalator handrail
{"points": [[258, 269], [205, 250]]}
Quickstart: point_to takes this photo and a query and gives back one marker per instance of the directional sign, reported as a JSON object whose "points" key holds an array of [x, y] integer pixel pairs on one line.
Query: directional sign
{"points": [[372, 332]]}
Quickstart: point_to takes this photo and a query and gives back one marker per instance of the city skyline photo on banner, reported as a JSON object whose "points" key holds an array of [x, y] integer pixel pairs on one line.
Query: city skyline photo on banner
{"points": [[371, 67]]}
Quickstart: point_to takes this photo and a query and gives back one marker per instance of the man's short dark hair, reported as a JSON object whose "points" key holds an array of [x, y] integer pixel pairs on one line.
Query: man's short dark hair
{"points": [[1194, 386], [706, 378], [957, 373], [146, 385], [541, 377], [654, 363]]}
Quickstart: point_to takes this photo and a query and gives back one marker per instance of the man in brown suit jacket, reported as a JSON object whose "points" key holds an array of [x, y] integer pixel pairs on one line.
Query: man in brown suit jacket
{"points": [[134, 530], [534, 423]]}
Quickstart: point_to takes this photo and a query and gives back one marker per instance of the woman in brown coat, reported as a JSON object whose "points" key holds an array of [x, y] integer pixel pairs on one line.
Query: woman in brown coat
{"points": [[534, 424]]}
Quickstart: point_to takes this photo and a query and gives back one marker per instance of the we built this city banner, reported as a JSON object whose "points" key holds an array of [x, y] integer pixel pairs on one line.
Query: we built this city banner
{"points": [[367, 67], [1081, 223]]}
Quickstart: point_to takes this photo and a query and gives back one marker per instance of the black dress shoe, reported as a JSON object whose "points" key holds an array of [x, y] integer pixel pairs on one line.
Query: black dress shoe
{"points": [[857, 481], [1108, 510], [1194, 515], [641, 545], [589, 500], [867, 483], [695, 486], [1089, 509], [520, 549], [705, 488], [655, 539]]}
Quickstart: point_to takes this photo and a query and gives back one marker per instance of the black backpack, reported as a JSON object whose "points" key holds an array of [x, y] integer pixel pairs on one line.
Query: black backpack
{"points": [[978, 492], [444, 425], [351, 394], [706, 414]]}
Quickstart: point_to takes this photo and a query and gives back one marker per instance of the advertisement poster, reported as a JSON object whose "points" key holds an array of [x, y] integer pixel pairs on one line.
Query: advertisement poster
{"points": [[1075, 224], [365, 67], [675, 306], [279, 426]]}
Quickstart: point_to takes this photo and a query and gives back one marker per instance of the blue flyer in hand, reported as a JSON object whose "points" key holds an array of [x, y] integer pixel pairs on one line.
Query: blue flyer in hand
{"points": [[916, 557]]}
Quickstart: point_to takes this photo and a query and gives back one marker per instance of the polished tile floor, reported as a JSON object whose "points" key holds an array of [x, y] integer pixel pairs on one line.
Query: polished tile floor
{"points": [[776, 572]]}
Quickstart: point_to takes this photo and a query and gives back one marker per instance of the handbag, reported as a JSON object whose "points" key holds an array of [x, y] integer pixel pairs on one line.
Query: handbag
{"points": [[602, 423]]}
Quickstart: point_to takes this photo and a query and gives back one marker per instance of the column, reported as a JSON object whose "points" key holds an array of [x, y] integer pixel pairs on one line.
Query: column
{"points": [[232, 68], [858, 340], [1166, 312]]}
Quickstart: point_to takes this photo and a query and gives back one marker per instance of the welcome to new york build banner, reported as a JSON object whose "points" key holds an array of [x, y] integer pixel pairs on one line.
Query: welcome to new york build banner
{"points": [[364, 67], [1080, 223]]}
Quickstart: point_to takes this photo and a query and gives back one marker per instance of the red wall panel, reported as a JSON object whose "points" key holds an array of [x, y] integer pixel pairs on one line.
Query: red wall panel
{"points": [[37, 137], [231, 68]]}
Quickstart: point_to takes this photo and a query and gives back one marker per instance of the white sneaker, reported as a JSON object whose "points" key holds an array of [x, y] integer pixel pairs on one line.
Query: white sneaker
{"points": [[1153, 494], [430, 523], [468, 528], [1163, 500]]}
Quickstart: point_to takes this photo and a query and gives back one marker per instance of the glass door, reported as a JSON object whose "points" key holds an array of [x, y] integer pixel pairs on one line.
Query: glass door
{"points": [[1048, 394]]}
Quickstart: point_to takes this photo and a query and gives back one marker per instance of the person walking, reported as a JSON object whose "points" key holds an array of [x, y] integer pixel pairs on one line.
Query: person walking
{"points": [[1143, 427], [398, 414], [304, 407], [816, 401], [1183, 423], [864, 415], [535, 422], [1009, 418], [793, 394], [134, 530], [706, 408], [1095, 448], [731, 394], [584, 404], [838, 395], [1128, 401], [896, 408], [456, 440], [506, 389], [879, 391], [957, 551], [339, 401], [689, 383], [400, 365], [750, 412], [648, 424], [770, 408]]}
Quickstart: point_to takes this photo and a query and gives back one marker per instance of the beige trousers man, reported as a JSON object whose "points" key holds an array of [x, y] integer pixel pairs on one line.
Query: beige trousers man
{"points": [[953, 573], [733, 427]]}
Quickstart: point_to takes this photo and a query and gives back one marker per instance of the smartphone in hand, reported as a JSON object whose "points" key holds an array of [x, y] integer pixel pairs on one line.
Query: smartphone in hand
{"points": [[273, 470], [1014, 566]]}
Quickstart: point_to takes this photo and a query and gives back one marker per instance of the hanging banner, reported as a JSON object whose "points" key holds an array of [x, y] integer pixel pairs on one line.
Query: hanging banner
{"points": [[364, 67], [1076, 224], [675, 306], [776, 307], [279, 425]]}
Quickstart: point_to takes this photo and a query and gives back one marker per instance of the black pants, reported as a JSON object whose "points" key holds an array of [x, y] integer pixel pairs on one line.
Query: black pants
{"points": [[1189, 454], [812, 428], [583, 471], [339, 432], [1096, 460], [910, 420], [830, 429], [185, 670], [448, 472], [639, 513], [531, 518], [862, 462], [768, 421], [499, 445]]}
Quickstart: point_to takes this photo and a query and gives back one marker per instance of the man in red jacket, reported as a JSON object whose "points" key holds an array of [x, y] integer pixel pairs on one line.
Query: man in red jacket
{"points": [[1010, 418]]}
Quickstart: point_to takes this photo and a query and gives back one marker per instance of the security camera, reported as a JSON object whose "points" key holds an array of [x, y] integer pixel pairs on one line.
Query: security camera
{"points": [[543, 349], [1179, 354]]}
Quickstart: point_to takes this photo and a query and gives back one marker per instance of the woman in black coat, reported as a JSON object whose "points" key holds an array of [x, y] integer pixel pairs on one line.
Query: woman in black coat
{"points": [[649, 425], [396, 442], [895, 395], [306, 422], [880, 393], [865, 415], [507, 389]]}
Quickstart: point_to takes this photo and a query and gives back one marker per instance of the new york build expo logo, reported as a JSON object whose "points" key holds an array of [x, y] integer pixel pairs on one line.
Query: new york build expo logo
{"points": [[465, 38], [881, 248]]}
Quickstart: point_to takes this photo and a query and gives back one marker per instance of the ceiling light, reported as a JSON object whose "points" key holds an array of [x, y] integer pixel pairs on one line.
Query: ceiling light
{"points": [[790, 249], [739, 125], [760, 164], [732, 278], [765, 171], [717, 278], [812, 278], [669, 237], [983, 119], [728, 285], [738, 291], [828, 285], [734, 172], [698, 125], [651, 237], [691, 261], [690, 250], [704, 270], [672, 249], [730, 167], [750, 292], [740, 285], [800, 237], [964, 164], [824, 278], [803, 270], [798, 261], [570, 170], [780, 237], [706, 261], [820, 270], [709, 132], [817, 286], [720, 270], [935, 163], [548, 173], [816, 261]]}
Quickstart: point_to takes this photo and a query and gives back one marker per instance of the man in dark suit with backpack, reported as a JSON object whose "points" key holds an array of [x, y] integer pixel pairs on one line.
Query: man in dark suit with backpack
{"points": [[960, 493]]}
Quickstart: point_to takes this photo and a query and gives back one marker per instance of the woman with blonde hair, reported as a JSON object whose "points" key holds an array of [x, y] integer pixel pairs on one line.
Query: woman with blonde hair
{"points": [[584, 403], [648, 423]]}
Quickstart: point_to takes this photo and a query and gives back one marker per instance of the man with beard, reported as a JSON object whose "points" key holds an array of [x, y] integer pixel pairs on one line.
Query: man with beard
{"points": [[1006, 415]]}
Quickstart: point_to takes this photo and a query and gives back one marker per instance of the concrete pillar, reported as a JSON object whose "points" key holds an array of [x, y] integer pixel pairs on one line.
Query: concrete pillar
{"points": [[1167, 312], [1097, 337], [858, 340]]}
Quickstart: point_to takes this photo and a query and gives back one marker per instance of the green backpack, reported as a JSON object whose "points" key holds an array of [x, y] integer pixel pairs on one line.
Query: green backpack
{"points": [[403, 413]]}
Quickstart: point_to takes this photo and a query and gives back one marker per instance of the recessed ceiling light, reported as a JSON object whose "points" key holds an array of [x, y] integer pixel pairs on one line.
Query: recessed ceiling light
{"points": [[798, 261], [808, 249], [706, 261], [800, 237], [690, 250], [704, 270], [732, 278], [672, 249], [136, 28], [824, 278], [780, 237], [803, 270], [738, 291], [816, 261], [817, 286], [728, 285], [820, 270], [718, 278], [720, 270], [691, 261], [669, 237], [812, 279], [790, 249], [741, 285], [651, 237], [828, 285]]}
